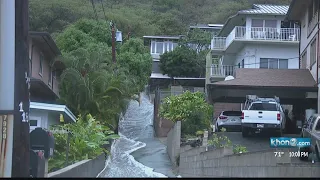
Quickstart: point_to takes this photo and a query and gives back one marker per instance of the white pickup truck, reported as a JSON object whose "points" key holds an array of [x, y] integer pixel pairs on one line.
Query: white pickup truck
{"points": [[263, 114]]}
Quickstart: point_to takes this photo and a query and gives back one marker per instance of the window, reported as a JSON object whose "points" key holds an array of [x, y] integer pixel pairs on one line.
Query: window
{"points": [[54, 75], [34, 122], [271, 63], [264, 107], [41, 64], [232, 113], [153, 47], [313, 51], [159, 47], [303, 64], [50, 76], [257, 23], [270, 23], [310, 12], [283, 63]]}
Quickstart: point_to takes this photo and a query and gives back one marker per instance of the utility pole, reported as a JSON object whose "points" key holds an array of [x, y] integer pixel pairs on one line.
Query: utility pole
{"points": [[7, 76], [21, 136], [113, 33]]}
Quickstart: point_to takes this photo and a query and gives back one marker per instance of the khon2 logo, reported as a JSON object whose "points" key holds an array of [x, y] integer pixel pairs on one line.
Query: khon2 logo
{"points": [[285, 142]]}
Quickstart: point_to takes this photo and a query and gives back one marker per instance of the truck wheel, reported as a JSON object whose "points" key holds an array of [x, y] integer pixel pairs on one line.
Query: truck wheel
{"points": [[245, 132], [306, 150]]}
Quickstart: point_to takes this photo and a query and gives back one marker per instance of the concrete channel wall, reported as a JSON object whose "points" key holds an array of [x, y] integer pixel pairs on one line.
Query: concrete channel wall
{"points": [[85, 168], [198, 162], [173, 142]]}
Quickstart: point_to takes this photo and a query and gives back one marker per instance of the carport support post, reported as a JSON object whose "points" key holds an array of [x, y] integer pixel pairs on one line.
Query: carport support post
{"points": [[21, 137]]}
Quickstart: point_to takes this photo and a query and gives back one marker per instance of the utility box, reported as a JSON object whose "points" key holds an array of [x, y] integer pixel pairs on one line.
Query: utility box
{"points": [[42, 140], [37, 164]]}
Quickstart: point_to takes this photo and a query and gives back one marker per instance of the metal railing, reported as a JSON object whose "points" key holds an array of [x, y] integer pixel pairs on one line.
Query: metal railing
{"points": [[256, 33], [222, 70], [218, 43]]}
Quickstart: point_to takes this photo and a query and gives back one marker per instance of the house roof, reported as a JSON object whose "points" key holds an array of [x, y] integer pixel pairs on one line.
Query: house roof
{"points": [[298, 78], [207, 26], [162, 37], [257, 9], [46, 40], [268, 9], [53, 107]]}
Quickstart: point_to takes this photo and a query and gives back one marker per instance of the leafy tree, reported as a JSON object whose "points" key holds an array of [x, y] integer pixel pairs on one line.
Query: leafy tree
{"points": [[191, 109], [181, 62], [197, 39]]}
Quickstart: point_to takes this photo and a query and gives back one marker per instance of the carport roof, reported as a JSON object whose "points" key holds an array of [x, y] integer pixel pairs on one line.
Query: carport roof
{"points": [[299, 78]]}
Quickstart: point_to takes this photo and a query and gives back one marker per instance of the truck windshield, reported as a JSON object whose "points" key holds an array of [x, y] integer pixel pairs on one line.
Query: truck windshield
{"points": [[264, 107]]}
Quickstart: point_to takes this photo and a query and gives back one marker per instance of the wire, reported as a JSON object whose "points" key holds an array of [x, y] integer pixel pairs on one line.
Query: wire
{"points": [[94, 9], [103, 11], [251, 63]]}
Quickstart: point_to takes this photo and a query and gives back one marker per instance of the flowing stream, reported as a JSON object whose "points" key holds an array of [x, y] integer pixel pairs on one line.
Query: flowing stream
{"points": [[135, 125]]}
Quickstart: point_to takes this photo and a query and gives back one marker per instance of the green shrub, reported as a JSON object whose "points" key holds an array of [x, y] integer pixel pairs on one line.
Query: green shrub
{"points": [[191, 109], [238, 149], [219, 141], [87, 136]]}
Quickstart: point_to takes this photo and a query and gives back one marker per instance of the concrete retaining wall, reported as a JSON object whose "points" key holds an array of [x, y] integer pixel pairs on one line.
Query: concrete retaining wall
{"points": [[85, 168], [198, 162], [173, 142]]}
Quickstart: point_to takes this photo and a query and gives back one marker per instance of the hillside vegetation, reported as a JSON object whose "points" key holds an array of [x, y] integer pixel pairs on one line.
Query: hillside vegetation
{"points": [[140, 17]]}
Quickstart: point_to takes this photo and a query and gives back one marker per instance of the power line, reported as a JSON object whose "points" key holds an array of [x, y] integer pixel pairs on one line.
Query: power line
{"points": [[103, 11], [275, 60], [94, 9]]}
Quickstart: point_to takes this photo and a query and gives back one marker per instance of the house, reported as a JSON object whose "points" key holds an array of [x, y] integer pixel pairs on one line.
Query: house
{"points": [[307, 14], [159, 45], [45, 70], [258, 50], [213, 28]]}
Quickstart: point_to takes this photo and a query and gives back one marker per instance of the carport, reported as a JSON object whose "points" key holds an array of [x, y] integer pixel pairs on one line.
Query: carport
{"points": [[292, 86]]}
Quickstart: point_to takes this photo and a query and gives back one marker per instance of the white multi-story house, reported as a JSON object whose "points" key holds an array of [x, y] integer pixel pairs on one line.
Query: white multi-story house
{"points": [[307, 14], [256, 38], [260, 49]]}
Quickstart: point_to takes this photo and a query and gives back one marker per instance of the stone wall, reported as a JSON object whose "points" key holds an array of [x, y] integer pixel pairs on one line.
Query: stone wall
{"points": [[85, 168], [173, 142], [198, 162]]}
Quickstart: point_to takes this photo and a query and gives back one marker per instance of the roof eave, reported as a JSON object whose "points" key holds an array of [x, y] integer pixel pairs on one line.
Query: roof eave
{"points": [[53, 107], [47, 37]]}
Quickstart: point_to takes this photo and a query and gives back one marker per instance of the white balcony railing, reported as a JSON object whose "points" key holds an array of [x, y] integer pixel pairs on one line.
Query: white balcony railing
{"points": [[218, 43], [256, 33], [222, 70]]}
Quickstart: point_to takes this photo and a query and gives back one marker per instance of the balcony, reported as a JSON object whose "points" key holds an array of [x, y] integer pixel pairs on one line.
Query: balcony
{"points": [[241, 33], [222, 71]]}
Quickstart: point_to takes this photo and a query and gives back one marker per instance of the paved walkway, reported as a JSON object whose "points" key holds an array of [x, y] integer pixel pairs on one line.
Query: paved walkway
{"points": [[155, 156]]}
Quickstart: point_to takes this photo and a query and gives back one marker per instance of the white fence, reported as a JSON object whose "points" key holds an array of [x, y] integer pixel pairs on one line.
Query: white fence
{"points": [[256, 33]]}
